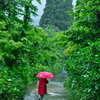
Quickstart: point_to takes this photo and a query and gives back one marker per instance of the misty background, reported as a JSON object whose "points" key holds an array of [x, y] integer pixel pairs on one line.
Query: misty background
{"points": [[40, 11]]}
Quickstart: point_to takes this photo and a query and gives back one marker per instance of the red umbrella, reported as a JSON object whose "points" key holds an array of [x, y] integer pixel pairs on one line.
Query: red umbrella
{"points": [[45, 75]]}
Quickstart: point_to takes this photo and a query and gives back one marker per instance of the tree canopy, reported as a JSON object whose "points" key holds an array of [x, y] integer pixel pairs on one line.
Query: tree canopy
{"points": [[56, 14]]}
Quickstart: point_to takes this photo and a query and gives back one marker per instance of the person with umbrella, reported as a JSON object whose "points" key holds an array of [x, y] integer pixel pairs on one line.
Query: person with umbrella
{"points": [[42, 88]]}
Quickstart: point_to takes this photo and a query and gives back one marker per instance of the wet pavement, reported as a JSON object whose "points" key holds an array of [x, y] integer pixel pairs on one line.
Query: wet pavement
{"points": [[56, 91]]}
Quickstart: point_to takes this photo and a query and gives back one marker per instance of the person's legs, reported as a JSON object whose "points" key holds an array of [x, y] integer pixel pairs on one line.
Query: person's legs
{"points": [[41, 97]]}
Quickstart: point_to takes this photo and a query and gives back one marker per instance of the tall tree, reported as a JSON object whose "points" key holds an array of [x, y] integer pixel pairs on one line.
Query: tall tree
{"points": [[55, 14]]}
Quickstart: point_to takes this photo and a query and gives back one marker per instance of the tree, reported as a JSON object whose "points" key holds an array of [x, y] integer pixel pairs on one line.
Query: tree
{"points": [[56, 14], [25, 50], [83, 63]]}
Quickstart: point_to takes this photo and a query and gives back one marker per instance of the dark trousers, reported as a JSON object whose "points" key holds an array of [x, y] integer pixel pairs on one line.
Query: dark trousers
{"points": [[40, 97]]}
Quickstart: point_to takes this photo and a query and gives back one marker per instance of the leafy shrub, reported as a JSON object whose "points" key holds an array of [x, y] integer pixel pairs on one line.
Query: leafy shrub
{"points": [[83, 63]]}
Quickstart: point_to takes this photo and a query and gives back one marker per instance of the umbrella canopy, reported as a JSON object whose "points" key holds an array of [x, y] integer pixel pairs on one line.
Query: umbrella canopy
{"points": [[45, 75]]}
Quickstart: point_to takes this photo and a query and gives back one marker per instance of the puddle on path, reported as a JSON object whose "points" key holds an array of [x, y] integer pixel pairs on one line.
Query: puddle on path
{"points": [[56, 91]]}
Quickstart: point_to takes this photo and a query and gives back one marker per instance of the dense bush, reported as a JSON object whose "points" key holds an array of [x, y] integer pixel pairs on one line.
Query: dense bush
{"points": [[22, 57], [83, 51], [25, 50]]}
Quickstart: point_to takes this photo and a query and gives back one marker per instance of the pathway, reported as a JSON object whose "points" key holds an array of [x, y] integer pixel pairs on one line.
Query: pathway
{"points": [[56, 91]]}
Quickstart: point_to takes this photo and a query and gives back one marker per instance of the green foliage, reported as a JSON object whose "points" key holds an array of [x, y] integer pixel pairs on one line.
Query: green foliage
{"points": [[83, 65], [11, 84], [55, 14], [70, 49], [24, 49], [22, 57]]}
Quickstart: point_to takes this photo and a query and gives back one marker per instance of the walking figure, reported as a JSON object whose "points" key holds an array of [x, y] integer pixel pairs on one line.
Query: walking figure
{"points": [[42, 89]]}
